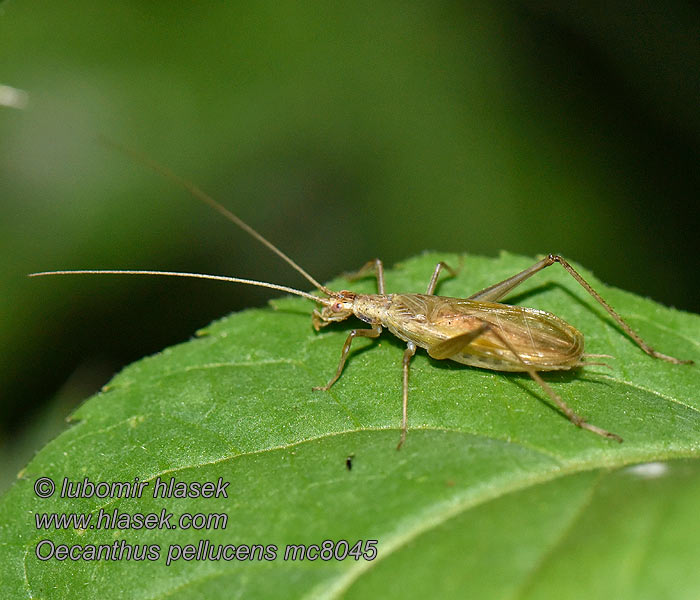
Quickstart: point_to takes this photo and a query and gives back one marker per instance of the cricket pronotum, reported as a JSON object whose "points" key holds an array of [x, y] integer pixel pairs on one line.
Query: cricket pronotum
{"points": [[477, 331]]}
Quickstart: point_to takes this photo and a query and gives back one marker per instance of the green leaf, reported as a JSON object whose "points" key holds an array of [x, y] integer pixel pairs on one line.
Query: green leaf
{"points": [[494, 495]]}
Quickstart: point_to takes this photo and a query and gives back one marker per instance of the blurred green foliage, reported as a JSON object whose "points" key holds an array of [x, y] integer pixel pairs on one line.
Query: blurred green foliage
{"points": [[341, 132]]}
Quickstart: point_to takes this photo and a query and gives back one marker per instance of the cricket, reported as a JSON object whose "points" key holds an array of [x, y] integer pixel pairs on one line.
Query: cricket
{"points": [[478, 331]]}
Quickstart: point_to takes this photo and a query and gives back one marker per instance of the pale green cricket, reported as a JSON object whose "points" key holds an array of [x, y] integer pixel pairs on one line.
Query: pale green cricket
{"points": [[478, 331]]}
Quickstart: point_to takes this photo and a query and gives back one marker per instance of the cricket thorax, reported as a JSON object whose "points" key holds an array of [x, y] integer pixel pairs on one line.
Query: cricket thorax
{"points": [[372, 308]]}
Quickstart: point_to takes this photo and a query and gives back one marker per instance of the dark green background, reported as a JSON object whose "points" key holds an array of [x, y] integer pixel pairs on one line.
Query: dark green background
{"points": [[340, 131]]}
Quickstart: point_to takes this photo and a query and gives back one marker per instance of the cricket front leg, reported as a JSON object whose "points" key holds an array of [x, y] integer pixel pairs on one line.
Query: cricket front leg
{"points": [[369, 333], [375, 266], [407, 356]]}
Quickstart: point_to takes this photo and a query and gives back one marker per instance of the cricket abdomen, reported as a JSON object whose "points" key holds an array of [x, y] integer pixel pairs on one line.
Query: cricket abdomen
{"points": [[541, 339]]}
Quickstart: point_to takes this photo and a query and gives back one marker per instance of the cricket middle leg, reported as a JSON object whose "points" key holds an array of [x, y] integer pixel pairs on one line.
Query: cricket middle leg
{"points": [[411, 350], [407, 356], [436, 273]]}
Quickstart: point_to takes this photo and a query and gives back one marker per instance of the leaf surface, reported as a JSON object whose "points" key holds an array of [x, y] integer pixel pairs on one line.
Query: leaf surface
{"points": [[494, 492]]}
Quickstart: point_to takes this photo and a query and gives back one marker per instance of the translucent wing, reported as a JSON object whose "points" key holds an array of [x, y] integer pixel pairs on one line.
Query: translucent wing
{"points": [[455, 345], [540, 338]]}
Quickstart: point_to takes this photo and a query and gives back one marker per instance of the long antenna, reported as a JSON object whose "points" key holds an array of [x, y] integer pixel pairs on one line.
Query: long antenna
{"points": [[207, 199], [274, 286]]}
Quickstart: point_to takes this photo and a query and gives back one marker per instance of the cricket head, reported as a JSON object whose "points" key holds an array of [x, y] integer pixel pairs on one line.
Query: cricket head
{"points": [[338, 308]]}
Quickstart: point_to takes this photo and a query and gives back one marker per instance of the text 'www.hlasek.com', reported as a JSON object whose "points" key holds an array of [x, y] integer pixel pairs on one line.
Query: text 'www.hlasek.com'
{"points": [[108, 518]]}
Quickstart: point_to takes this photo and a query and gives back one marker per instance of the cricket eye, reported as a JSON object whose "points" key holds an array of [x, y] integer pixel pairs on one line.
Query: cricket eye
{"points": [[337, 307]]}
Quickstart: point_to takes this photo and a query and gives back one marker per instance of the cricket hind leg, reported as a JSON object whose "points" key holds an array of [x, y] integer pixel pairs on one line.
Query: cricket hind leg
{"points": [[369, 333], [497, 291], [576, 419]]}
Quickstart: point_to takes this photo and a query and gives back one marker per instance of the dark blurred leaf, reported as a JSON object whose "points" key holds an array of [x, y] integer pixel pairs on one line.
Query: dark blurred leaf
{"points": [[533, 126]]}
